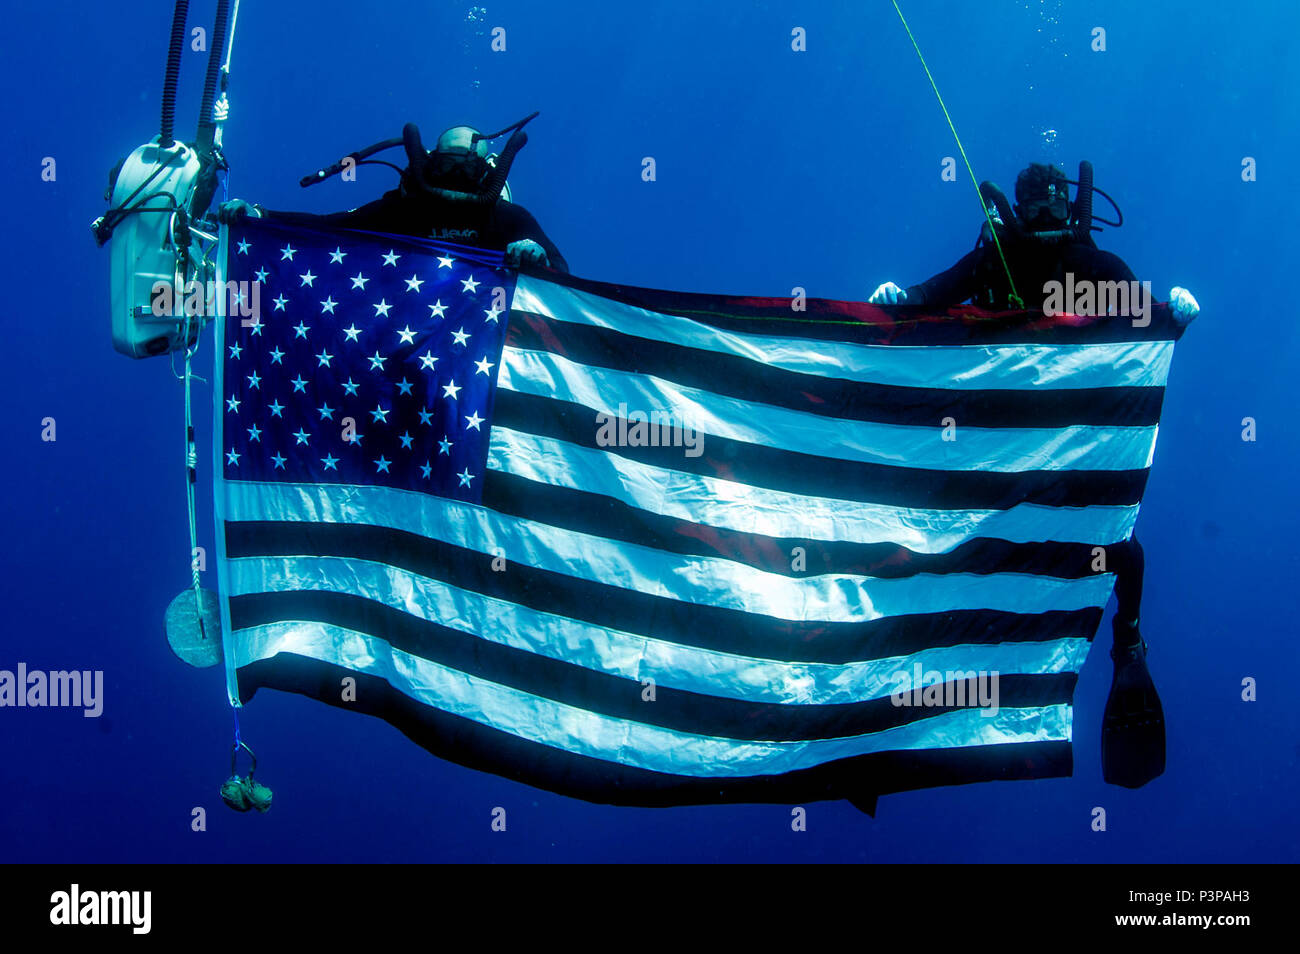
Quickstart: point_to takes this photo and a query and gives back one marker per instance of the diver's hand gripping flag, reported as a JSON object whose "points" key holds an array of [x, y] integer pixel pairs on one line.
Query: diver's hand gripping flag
{"points": [[657, 548]]}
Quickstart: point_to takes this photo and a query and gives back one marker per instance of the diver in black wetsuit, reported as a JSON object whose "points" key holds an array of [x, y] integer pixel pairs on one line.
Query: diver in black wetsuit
{"points": [[443, 195], [1043, 243], [979, 277]]}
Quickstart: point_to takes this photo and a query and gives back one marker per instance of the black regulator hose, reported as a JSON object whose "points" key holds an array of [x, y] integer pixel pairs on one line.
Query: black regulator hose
{"points": [[417, 158], [496, 180], [1083, 203], [418, 161], [413, 144], [207, 128], [179, 14], [356, 158], [205, 139], [995, 197]]}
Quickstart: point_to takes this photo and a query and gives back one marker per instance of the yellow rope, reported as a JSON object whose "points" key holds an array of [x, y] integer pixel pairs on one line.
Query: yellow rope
{"points": [[1016, 300]]}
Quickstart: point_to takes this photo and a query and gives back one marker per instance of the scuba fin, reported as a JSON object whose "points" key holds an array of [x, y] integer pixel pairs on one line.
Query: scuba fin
{"points": [[865, 803], [1133, 726]]}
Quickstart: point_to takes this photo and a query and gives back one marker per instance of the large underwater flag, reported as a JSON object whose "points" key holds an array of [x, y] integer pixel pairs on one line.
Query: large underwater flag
{"points": [[646, 547]]}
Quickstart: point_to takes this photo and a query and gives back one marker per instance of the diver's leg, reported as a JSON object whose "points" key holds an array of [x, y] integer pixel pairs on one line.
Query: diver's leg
{"points": [[1129, 563], [1133, 727]]}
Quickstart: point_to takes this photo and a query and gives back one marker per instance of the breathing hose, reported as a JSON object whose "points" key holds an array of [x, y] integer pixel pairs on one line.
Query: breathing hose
{"points": [[207, 128], [179, 14], [1083, 202], [497, 180]]}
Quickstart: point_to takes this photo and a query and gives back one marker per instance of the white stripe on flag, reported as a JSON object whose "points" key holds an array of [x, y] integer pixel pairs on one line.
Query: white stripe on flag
{"points": [[701, 580], [672, 665], [1007, 450], [960, 367], [715, 502], [613, 739]]}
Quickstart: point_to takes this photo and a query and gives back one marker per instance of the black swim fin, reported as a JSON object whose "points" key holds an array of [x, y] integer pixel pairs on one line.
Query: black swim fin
{"points": [[865, 803], [1133, 727]]}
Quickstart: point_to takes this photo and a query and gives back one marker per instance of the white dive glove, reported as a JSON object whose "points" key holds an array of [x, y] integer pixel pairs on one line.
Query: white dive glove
{"points": [[1184, 306], [890, 294]]}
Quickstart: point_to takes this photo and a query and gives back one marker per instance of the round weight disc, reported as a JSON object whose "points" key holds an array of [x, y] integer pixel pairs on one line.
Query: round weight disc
{"points": [[199, 646]]}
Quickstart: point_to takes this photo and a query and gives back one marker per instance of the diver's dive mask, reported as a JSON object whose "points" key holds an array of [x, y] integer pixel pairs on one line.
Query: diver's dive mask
{"points": [[459, 169], [1047, 212], [461, 172], [1042, 197], [462, 168], [467, 168]]}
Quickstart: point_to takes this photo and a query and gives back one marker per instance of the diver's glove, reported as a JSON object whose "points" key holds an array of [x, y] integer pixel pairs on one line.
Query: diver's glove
{"points": [[228, 212], [888, 294], [526, 252], [1184, 306]]}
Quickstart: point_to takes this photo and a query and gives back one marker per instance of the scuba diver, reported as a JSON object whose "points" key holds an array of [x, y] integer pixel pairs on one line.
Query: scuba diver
{"points": [[453, 193], [1044, 239]]}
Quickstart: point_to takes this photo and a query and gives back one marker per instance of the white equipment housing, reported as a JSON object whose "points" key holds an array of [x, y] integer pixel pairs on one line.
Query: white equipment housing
{"points": [[142, 250]]}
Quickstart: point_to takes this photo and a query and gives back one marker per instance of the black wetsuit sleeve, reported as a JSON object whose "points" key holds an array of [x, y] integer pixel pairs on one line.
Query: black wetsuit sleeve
{"points": [[380, 215], [403, 215], [517, 223], [1097, 265], [951, 287]]}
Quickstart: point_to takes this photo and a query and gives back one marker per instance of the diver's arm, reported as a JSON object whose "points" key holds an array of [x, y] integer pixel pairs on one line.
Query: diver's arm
{"points": [[951, 287], [518, 223], [1100, 266], [380, 215], [376, 216], [1109, 267]]}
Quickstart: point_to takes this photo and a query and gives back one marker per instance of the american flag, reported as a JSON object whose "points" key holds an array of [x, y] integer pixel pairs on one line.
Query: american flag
{"points": [[521, 580]]}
